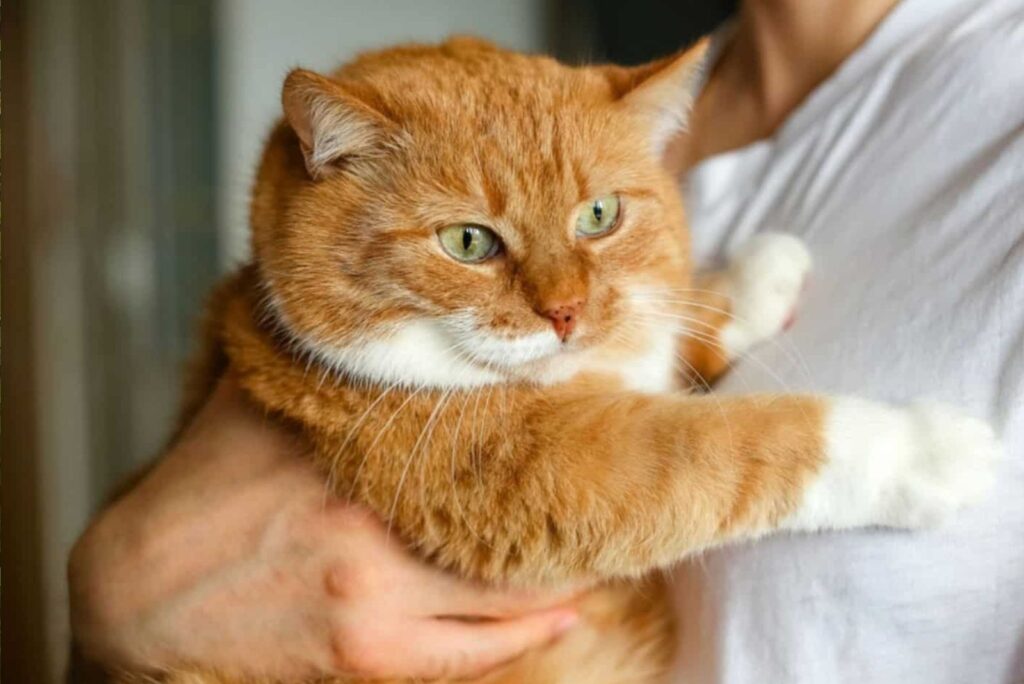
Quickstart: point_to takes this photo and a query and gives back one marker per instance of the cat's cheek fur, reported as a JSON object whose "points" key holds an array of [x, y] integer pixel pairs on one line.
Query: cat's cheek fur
{"points": [[896, 467]]}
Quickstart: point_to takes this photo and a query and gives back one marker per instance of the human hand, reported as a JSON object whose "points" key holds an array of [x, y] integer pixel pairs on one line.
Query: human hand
{"points": [[229, 555]]}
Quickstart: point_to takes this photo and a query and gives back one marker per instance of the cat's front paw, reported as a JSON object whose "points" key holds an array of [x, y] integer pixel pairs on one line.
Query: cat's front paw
{"points": [[765, 277], [897, 467], [951, 467]]}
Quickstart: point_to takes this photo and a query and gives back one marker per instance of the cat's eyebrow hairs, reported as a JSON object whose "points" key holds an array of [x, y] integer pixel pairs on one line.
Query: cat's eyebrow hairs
{"points": [[637, 193]]}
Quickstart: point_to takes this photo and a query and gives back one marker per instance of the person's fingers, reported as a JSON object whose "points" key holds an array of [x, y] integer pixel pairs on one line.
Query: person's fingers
{"points": [[449, 596], [426, 591], [451, 648]]}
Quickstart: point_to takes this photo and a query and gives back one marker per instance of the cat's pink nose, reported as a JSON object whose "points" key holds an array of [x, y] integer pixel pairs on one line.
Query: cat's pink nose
{"points": [[563, 316]]}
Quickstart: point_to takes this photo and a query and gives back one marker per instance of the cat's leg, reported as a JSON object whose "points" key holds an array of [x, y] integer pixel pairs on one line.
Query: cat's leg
{"points": [[899, 467], [751, 300], [584, 485], [751, 465]]}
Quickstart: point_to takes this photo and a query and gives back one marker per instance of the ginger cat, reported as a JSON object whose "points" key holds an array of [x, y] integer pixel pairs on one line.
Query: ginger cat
{"points": [[471, 289]]}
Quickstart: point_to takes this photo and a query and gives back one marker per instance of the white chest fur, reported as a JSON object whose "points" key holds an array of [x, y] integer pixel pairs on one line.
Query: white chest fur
{"points": [[652, 369]]}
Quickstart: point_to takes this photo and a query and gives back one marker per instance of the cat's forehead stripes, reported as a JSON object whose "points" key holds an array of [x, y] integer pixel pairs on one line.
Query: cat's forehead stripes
{"points": [[494, 192], [521, 164]]}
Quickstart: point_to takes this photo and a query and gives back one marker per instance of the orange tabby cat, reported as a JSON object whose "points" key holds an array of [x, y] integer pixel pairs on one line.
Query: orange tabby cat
{"points": [[471, 289]]}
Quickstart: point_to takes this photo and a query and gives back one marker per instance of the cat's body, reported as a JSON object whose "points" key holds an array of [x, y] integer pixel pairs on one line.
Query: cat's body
{"points": [[516, 413]]}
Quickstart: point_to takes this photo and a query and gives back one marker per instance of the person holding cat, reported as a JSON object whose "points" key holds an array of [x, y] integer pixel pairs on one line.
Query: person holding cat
{"points": [[170, 574], [809, 75]]}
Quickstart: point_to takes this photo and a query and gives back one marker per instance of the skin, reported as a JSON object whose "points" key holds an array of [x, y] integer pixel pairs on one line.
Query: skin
{"points": [[138, 597], [229, 554], [780, 52]]}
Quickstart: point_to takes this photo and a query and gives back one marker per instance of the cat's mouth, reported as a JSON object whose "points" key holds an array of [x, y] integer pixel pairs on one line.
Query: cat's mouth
{"points": [[502, 351], [540, 351], [513, 352]]}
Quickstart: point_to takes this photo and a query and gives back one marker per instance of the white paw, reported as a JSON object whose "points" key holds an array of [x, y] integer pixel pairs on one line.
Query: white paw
{"points": [[897, 467], [766, 277], [952, 466]]}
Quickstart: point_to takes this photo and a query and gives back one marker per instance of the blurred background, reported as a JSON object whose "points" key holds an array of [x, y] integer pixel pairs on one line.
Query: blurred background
{"points": [[130, 131]]}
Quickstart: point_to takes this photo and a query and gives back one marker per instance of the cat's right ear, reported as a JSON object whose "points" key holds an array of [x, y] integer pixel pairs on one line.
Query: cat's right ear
{"points": [[660, 95], [335, 130]]}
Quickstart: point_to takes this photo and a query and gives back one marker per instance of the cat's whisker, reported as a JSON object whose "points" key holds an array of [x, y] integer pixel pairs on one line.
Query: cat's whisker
{"points": [[380, 433], [707, 388], [715, 346], [682, 317], [791, 351], [445, 399], [324, 374], [412, 455], [679, 290], [475, 457], [454, 485], [329, 489], [793, 355]]}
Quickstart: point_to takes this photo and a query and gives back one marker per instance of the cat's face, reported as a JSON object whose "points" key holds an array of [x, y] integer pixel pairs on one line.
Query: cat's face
{"points": [[461, 215]]}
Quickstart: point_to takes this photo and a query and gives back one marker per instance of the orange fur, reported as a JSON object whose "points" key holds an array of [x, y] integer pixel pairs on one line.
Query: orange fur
{"points": [[567, 469], [711, 309]]}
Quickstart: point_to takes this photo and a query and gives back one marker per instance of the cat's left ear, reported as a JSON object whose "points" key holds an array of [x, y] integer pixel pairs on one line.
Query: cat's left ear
{"points": [[660, 94], [335, 129]]}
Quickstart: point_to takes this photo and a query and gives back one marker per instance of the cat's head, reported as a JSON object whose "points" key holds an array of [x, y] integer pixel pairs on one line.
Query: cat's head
{"points": [[459, 215]]}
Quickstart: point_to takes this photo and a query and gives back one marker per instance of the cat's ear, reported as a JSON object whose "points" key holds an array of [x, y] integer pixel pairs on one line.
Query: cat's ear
{"points": [[334, 129], [660, 94]]}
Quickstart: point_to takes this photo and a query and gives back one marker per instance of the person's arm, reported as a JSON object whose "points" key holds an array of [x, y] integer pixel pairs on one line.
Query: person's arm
{"points": [[230, 555]]}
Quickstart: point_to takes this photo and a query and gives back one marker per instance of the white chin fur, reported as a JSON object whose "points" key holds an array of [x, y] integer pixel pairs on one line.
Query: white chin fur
{"points": [[437, 353], [500, 352], [454, 353], [897, 467], [419, 353]]}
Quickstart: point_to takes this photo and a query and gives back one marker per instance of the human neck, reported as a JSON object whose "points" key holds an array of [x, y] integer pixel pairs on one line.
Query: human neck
{"points": [[782, 49]]}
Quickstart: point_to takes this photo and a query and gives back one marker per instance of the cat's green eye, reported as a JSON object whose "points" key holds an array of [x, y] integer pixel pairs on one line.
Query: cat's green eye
{"points": [[598, 217], [468, 243]]}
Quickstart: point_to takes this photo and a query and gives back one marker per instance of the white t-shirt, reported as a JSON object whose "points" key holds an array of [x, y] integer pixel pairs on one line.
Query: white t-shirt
{"points": [[904, 172]]}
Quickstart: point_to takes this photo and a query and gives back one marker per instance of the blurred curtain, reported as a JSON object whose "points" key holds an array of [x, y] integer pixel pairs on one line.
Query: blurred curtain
{"points": [[111, 243]]}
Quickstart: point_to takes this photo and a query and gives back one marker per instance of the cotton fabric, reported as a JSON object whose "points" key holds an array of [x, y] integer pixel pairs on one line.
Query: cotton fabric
{"points": [[904, 173]]}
